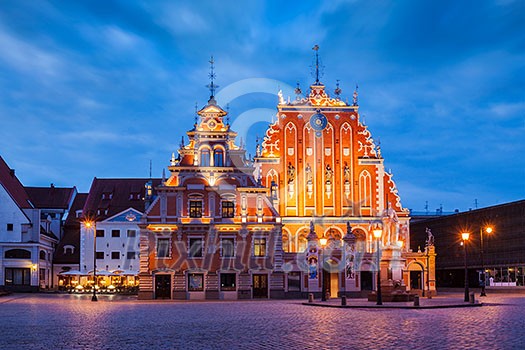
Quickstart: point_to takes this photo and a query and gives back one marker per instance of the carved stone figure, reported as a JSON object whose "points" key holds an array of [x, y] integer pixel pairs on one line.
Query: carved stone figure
{"points": [[291, 173], [346, 171], [328, 173], [430, 239], [390, 226], [308, 171]]}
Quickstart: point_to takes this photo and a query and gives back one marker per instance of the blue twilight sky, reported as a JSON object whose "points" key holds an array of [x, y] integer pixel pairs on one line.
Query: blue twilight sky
{"points": [[98, 88]]}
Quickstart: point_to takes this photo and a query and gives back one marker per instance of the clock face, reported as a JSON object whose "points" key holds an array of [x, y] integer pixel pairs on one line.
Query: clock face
{"points": [[212, 124], [318, 121]]}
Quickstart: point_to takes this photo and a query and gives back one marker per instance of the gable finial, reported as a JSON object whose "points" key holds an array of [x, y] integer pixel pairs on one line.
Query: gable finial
{"points": [[212, 76], [355, 95], [196, 113]]}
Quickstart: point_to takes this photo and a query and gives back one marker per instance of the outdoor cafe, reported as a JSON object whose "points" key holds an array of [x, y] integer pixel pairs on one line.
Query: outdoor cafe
{"points": [[109, 282]]}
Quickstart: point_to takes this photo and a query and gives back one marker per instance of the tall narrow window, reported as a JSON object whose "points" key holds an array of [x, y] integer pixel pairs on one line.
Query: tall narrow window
{"points": [[227, 247], [195, 209], [228, 209], [218, 157], [163, 248], [365, 188], [205, 157], [195, 250], [259, 246]]}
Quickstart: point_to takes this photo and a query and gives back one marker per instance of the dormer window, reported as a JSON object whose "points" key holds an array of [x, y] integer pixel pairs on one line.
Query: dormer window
{"points": [[107, 195], [69, 249]]}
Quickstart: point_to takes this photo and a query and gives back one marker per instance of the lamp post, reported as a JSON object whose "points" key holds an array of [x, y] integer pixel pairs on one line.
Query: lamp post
{"points": [[90, 224], [465, 236], [322, 241], [377, 234], [488, 229]]}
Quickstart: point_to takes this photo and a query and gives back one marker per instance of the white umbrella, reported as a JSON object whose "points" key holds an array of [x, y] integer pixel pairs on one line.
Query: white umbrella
{"points": [[72, 273], [102, 273], [125, 272]]}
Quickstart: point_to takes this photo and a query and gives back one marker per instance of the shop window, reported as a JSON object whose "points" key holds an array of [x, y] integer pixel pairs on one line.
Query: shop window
{"points": [[17, 276], [228, 281], [195, 282], [294, 281]]}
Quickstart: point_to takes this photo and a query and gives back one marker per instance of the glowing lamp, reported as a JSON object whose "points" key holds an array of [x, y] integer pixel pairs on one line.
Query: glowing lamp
{"points": [[488, 229], [377, 232], [323, 241], [465, 236]]}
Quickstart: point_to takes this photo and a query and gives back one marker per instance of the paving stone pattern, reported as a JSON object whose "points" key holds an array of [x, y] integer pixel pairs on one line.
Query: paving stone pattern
{"points": [[74, 322]]}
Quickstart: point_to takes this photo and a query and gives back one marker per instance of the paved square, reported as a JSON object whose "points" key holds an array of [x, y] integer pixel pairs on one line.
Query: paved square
{"points": [[74, 322]]}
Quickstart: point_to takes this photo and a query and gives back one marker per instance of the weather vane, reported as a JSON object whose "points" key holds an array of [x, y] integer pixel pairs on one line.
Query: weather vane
{"points": [[337, 89], [212, 85], [318, 66]]}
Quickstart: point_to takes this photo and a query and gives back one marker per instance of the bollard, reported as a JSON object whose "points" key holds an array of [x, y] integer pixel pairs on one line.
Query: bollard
{"points": [[416, 300], [472, 298], [343, 300], [311, 297]]}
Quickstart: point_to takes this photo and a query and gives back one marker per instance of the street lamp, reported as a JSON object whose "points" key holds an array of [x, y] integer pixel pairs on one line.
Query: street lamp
{"points": [[377, 234], [88, 225], [488, 229], [465, 236], [322, 241]]}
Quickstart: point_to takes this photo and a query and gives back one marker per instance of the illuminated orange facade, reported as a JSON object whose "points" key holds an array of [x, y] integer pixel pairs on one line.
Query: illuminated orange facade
{"points": [[327, 180]]}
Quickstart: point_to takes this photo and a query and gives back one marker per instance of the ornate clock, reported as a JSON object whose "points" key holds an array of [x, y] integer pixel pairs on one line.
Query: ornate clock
{"points": [[318, 122]]}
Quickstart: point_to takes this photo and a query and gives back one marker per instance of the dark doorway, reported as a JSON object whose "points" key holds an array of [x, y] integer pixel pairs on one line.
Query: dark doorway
{"points": [[415, 280], [162, 286], [367, 280], [260, 286]]}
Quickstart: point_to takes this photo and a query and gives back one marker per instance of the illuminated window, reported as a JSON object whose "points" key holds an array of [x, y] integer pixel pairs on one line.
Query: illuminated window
{"points": [[228, 209], [259, 246], [195, 282], [195, 209]]}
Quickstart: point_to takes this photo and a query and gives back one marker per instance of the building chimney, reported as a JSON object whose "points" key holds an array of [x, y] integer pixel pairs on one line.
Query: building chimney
{"points": [[12, 172]]}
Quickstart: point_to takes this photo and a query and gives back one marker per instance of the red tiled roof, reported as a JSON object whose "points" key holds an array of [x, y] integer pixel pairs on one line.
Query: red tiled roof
{"points": [[115, 196], [13, 186], [51, 197], [71, 234]]}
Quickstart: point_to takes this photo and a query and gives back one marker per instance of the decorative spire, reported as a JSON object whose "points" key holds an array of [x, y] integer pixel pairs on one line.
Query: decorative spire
{"points": [[228, 114], [173, 161], [355, 95], [337, 90], [196, 113], [316, 49], [257, 147], [212, 76], [163, 176]]}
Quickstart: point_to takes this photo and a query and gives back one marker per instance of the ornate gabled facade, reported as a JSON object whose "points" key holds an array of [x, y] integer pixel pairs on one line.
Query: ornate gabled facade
{"points": [[212, 232], [323, 167]]}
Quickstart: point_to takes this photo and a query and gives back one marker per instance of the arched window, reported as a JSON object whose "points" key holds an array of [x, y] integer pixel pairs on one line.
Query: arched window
{"points": [[365, 189], [205, 157], [42, 255], [302, 243], [17, 254], [286, 242], [218, 157]]}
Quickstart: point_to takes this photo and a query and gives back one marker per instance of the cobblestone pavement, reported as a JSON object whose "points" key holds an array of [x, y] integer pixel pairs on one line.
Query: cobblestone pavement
{"points": [[36, 321]]}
